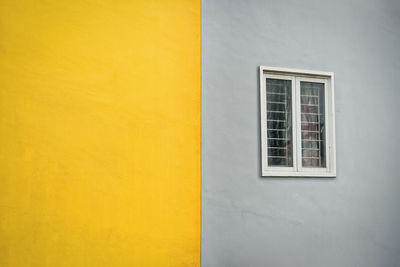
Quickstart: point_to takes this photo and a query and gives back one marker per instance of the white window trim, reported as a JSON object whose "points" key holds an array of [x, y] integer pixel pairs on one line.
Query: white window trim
{"points": [[297, 75]]}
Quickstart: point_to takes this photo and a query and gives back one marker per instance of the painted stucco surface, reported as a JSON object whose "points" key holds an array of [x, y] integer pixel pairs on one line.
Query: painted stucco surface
{"points": [[352, 220], [99, 133]]}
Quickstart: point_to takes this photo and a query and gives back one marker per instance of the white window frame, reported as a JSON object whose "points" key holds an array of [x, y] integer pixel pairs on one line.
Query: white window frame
{"points": [[296, 76]]}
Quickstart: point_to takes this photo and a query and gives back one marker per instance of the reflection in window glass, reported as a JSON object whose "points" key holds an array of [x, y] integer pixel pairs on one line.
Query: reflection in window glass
{"points": [[279, 122], [313, 124]]}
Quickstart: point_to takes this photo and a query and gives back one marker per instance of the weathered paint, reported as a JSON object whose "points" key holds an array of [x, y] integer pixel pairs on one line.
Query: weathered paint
{"points": [[99, 133]]}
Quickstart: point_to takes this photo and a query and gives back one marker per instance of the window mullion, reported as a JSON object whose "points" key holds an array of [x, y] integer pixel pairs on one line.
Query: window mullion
{"points": [[298, 125], [294, 125]]}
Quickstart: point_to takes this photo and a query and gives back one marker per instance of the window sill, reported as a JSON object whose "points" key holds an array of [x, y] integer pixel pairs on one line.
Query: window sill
{"points": [[298, 174]]}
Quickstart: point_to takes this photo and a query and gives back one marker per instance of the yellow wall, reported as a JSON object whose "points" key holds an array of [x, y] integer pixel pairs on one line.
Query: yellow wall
{"points": [[99, 133]]}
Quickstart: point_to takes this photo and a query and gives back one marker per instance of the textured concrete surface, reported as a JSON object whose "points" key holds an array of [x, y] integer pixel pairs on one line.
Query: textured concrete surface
{"points": [[99, 133], [352, 220]]}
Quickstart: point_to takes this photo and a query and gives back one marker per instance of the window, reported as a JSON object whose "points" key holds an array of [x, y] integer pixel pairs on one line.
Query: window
{"points": [[297, 123]]}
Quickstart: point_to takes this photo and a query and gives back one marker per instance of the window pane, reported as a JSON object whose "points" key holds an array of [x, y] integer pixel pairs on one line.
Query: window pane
{"points": [[279, 122], [313, 124]]}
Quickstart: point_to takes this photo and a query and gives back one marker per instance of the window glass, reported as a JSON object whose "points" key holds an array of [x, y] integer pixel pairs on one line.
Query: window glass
{"points": [[312, 98], [279, 122]]}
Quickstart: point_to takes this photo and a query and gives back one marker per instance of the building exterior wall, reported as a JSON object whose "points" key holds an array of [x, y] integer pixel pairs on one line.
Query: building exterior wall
{"points": [[350, 220], [99, 133]]}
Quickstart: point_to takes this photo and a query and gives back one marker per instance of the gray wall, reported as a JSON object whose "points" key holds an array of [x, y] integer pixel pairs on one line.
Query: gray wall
{"points": [[351, 220]]}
